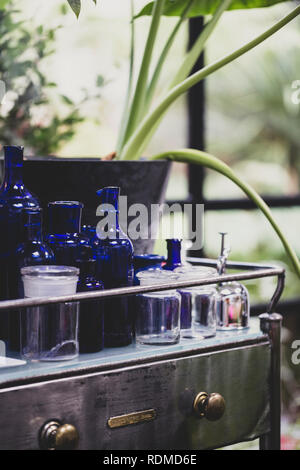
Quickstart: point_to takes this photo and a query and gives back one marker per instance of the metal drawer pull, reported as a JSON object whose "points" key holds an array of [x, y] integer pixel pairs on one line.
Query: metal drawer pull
{"points": [[210, 406], [57, 436]]}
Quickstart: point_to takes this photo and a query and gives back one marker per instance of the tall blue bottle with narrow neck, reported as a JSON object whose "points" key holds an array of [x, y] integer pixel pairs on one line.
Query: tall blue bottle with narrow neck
{"points": [[64, 238], [113, 252], [174, 254], [14, 197]]}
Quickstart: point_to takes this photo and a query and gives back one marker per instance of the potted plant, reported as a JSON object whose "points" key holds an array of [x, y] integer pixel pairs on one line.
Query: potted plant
{"points": [[140, 121]]}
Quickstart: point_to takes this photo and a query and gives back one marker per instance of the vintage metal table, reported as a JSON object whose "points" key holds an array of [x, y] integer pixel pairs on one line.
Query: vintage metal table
{"points": [[190, 396]]}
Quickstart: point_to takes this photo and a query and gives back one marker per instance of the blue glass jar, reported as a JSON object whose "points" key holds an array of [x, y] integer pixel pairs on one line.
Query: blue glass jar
{"points": [[64, 238], [113, 252], [91, 314], [14, 197], [174, 254]]}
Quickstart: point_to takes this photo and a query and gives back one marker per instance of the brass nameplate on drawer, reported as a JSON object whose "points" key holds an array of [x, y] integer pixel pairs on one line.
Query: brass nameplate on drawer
{"points": [[131, 418]]}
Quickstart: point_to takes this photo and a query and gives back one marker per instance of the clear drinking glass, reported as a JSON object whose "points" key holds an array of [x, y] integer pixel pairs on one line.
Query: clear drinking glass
{"points": [[157, 313], [50, 332], [198, 304]]}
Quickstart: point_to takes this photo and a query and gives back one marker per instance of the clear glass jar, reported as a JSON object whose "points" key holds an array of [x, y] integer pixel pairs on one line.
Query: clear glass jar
{"points": [[158, 313], [198, 304], [50, 332], [232, 307]]}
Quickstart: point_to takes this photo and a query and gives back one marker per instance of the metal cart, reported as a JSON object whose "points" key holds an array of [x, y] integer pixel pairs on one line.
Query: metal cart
{"points": [[190, 396]]}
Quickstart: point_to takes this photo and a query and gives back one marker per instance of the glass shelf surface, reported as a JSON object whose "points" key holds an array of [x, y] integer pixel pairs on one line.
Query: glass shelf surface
{"points": [[114, 357]]}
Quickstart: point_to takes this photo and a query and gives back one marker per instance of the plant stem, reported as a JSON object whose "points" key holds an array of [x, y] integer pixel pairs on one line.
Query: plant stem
{"points": [[165, 51], [189, 62], [125, 113], [209, 161], [193, 55], [142, 81], [129, 152]]}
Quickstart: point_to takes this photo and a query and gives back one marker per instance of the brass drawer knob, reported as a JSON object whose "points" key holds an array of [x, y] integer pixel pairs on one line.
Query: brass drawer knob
{"points": [[57, 436], [211, 407]]}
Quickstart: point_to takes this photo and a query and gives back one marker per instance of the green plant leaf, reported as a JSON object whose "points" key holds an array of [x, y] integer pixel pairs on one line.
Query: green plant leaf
{"points": [[76, 6], [3, 4], [146, 127], [209, 161], [205, 7]]}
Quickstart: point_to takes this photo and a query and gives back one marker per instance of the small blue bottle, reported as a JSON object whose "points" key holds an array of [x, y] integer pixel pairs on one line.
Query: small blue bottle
{"points": [[64, 219], [14, 197], [91, 314], [113, 252], [33, 251], [174, 255]]}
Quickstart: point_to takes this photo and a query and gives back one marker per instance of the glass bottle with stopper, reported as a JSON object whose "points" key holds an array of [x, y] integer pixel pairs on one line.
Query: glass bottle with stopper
{"points": [[232, 304]]}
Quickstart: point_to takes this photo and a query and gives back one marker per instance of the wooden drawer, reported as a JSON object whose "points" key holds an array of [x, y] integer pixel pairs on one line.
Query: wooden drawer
{"points": [[169, 387]]}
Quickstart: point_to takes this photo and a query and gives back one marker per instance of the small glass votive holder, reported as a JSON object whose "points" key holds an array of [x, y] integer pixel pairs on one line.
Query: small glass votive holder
{"points": [[50, 332], [198, 304], [232, 307], [157, 313]]}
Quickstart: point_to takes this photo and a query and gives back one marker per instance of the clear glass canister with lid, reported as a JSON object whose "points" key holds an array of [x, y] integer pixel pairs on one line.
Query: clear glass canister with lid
{"points": [[158, 313], [50, 332]]}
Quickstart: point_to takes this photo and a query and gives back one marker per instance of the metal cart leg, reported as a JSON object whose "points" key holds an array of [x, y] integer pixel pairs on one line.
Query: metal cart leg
{"points": [[271, 325]]}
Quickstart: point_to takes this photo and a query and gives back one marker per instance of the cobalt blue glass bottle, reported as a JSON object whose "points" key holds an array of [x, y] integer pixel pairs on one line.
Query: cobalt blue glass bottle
{"points": [[113, 252], [33, 251], [91, 313], [14, 197], [174, 254], [64, 219]]}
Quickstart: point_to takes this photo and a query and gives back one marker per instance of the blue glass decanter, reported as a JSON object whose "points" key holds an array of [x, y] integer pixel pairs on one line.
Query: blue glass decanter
{"points": [[14, 197], [113, 252], [174, 254], [64, 238], [91, 314]]}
